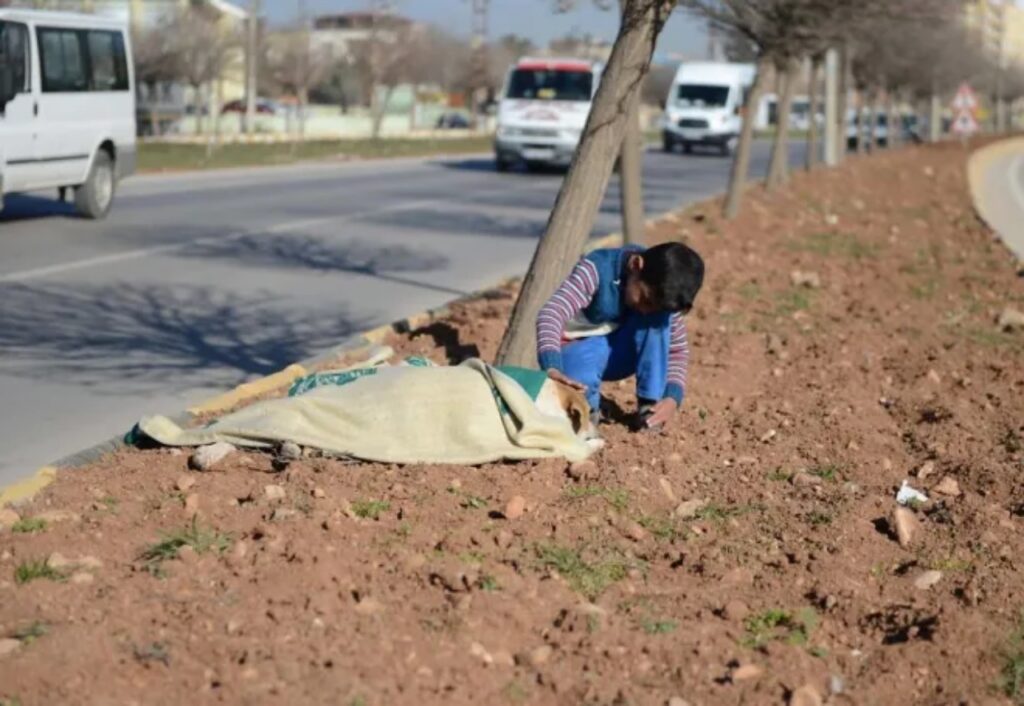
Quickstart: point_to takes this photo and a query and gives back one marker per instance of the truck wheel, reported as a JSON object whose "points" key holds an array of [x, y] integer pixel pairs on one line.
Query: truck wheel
{"points": [[93, 198]]}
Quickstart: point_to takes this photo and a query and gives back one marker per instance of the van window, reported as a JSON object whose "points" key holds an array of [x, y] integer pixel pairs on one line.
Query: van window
{"points": [[14, 53], [691, 95], [541, 84], [109, 69], [60, 52]]}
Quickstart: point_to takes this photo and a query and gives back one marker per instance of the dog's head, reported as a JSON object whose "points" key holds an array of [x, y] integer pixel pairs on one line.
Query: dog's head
{"points": [[559, 399]]}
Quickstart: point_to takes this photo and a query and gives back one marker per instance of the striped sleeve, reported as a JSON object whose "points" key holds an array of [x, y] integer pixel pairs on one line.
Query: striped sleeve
{"points": [[571, 297], [678, 360]]}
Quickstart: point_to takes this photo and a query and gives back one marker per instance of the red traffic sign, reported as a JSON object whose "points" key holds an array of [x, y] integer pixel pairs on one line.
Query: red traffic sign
{"points": [[964, 123], [965, 100]]}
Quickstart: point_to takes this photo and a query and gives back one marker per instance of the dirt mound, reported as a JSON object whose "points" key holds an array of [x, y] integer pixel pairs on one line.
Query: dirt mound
{"points": [[845, 342]]}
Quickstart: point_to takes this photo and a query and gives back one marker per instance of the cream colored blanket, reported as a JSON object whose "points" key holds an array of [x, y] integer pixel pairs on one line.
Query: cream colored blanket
{"points": [[465, 414]]}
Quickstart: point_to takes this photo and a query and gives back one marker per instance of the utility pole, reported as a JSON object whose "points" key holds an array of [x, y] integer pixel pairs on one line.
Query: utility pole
{"points": [[252, 65], [831, 107], [478, 43]]}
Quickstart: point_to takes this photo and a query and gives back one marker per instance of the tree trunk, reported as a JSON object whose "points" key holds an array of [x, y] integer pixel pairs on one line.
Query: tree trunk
{"points": [[845, 60], [197, 108], [863, 132], [778, 167], [812, 110], [303, 112], [935, 117], [741, 162], [379, 109], [892, 110], [575, 209], [631, 176]]}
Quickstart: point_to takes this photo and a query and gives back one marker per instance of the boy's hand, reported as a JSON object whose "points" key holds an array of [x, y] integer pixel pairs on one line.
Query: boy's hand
{"points": [[559, 376], [661, 413]]}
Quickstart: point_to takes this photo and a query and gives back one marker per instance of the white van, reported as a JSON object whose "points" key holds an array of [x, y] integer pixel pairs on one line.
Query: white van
{"points": [[544, 106], [705, 105], [67, 108]]}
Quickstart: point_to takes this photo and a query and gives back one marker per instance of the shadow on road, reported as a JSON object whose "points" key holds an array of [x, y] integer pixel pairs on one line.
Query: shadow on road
{"points": [[22, 207], [119, 335], [294, 251], [486, 164], [461, 223]]}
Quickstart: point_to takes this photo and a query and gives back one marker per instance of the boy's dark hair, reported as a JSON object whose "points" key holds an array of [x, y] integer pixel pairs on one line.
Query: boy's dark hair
{"points": [[674, 273]]}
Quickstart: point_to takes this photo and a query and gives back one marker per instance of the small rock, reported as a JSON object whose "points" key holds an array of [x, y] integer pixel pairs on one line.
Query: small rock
{"points": [[275, 492], [8, 518], [187, 555], [830, 602], [773, 343], [927, 579], [811, 280], [59, 561], [281, 514], [836, 684], [515, 507], [806, 695], [90, 562], [289, 451], [503, 658], [747, 672], [503, 539], [82, 578], [906, 524], [736, 610], [948, 486], [206, 457], [8, 645], [805, 480], [539, 656], [688, 509], [184, 483], [666, 489], [478, 651], [582, 470], [926, 469], [768, 436], [934, 377], [319, 493], [191, 504], [52, 516], [1010, 319], [831, 219], [632, 530]]}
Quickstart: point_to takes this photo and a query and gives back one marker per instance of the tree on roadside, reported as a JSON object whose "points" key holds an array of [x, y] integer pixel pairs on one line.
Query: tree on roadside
{"points": [[205, 50], [584, 185], [294, 65], [157, 60]]}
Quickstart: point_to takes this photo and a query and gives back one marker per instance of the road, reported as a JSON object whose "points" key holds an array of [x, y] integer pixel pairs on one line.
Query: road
{"points": [[198, 282], [997, 173]]}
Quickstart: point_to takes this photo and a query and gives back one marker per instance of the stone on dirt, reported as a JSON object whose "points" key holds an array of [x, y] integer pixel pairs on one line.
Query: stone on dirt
{"points": [[948, 486], [8, 645], [906, 525], [82, 578], [515, 507], [53, 516], [275, 492], [1010, 319], [582, 470], [8, 518], [735, 610], [184, 483], [205, 458], [927, 579], [803, 479], [747, 672], [811, 280], [688, 509], [926, 469], [806, 695]]}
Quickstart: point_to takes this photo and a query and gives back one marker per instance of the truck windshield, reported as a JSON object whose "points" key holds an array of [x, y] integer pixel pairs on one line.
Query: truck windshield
{"points": [[555, 85], [691, 95]]}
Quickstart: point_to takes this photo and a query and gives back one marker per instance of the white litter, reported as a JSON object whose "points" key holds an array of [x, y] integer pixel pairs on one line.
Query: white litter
{"points": [[906, 495]]}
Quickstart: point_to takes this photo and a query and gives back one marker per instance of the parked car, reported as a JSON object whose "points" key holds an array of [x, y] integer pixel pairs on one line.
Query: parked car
{"points": [[67, 109], [705, 105], [452, 121], [263, 107]]}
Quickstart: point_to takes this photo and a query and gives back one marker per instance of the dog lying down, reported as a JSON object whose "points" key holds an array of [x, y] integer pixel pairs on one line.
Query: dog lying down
{"points": [[411, 413]]}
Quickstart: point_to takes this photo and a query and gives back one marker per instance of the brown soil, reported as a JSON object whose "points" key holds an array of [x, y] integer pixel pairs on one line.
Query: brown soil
{"points": [[807, 408]]}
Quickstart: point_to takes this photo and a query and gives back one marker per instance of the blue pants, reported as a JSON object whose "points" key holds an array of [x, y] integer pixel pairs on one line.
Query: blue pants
{"points": [[639, 346]]}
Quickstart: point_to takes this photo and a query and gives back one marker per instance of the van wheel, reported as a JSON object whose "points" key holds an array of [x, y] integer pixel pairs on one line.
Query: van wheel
{"points": [[667, 143], [728, 147], [93, 198], [687, 148]]}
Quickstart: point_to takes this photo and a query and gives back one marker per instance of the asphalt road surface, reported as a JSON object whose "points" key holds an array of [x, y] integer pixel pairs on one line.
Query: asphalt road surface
{"points": [[198, 282]]}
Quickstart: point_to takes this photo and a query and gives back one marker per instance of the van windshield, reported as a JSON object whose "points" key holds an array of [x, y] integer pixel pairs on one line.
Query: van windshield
{"points": [[541, 84], [692, 95]]}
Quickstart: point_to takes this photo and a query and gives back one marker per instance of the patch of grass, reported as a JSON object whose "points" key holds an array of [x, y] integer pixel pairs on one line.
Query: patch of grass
{"points": [[663, 528], [720, 513], [590, 579], [370, 509], [990, 337], [702, 413], [471, 557], [817, 518], [924, 290], [835, 243], [201, 539], [489, 583], [161, 156], [37, 569], [474, 502], [828, 473], [110, 502], [29, 525], [780, 475], [658, 627], [783, 625], [31, 632], [1011, 676], [791, 301], [515, 692], [750, 291], [10, 701], [618, 498], [950, 564], [153, 652], [358, 701]]}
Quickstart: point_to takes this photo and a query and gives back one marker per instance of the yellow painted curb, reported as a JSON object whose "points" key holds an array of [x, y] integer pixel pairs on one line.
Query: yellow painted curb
{"points": [[27, 487], [249, 389]]}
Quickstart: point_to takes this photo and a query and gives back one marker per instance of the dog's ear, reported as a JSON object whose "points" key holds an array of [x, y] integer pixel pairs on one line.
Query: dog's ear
{"points": [[577, 408]]}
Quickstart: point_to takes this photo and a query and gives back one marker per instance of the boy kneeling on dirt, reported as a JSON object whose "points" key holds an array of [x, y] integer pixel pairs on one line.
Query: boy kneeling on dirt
{"points": [[620, 313]]}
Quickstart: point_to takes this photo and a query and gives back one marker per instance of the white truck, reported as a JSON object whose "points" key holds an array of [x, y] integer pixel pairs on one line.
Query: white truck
{"points": [[544, 106], [67, 106], [705, 105]]}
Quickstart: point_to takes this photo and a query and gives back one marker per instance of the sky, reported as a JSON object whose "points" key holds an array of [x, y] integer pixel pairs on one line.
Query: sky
{"points": [[534, 19]]}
